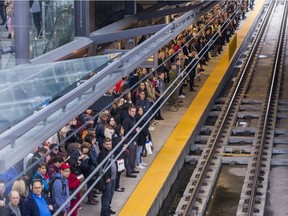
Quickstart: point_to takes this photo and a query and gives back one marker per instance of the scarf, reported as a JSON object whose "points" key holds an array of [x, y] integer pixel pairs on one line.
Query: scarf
{"points": [[14, 209]]}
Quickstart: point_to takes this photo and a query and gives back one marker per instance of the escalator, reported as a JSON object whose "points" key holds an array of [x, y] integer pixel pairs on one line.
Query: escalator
{"points": [[57, 27]]}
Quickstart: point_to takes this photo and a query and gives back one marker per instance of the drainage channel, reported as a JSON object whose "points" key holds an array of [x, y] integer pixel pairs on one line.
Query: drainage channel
{"points": [[170, 203]]}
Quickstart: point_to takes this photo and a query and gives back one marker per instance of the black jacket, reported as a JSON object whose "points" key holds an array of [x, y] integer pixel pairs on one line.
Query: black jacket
{"points": [[143, 133], [6, 211], [128, 124], [102, 155], [29, 207]]}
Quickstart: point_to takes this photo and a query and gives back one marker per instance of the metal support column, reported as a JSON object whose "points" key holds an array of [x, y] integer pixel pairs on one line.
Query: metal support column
{"points": [[82, 18], [130, 8], [21, 28]]}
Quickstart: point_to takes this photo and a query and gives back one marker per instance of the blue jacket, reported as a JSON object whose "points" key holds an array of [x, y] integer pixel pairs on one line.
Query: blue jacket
{"points": [[45, 181], [60, 192]]}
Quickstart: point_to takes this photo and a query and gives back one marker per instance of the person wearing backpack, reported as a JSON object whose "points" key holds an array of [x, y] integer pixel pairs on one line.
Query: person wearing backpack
{"points": [[32, 166], [35, 201], [60, 189]]}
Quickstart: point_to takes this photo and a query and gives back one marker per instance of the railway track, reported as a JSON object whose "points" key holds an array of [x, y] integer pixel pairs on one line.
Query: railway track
{"points": [[246, 120]]}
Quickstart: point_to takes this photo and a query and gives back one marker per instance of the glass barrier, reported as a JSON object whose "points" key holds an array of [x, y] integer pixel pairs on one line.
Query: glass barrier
{"points": [[26, 89]]}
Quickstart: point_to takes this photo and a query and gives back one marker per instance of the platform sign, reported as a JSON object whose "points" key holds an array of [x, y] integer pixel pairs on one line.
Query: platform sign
{"points": [[232, 46]]}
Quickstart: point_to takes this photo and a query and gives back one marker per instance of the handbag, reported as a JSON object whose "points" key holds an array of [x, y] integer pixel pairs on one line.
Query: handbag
{"points": [[148, 146], [144, 152], [120, 165]]}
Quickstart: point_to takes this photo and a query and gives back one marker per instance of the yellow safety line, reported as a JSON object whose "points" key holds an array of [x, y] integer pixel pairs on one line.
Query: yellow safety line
{"points": [[148, 188]]}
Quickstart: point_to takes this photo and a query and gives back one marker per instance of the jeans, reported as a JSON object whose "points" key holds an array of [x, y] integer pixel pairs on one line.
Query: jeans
{"points": [[132, 157], [138, 154], [107, 196]]}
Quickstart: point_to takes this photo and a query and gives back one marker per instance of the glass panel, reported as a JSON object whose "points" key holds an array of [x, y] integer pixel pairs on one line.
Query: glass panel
{"points": [[52, 25], [26, 89]]}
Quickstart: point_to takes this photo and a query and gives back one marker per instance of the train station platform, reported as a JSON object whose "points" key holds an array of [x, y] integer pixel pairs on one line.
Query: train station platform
{"points": [[144, 195]]}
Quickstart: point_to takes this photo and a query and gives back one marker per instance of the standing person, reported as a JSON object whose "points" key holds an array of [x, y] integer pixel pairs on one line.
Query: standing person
{"points": [[9, 12], [36, 10], [35, 201], [173, 75], [55, 152], [2, 12], [32, 165], [100, 128], [73, 183], [191, 69], [3, 198], [116, 138], [12, 209], [161, 86], [110, 127], [54, 166], [41, 173], [60, 189], [109, 178], [128, 124], [144, 103], [20, 187], [143, 136], [92, 161]]}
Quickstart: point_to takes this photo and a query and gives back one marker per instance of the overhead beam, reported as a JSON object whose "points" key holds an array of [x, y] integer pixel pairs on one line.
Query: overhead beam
{"points": [[162, 13], [125, 34]]}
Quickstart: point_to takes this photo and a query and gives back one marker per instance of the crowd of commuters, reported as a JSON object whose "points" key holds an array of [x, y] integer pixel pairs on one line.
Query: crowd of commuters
{"points": [[57, 170]]}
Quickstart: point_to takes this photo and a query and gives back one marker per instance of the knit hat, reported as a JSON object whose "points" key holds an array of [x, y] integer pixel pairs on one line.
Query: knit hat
{"points": [[103, 114]]}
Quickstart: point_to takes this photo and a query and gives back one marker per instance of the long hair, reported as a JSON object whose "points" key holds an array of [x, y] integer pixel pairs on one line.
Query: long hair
{"points": [[20, 187]]}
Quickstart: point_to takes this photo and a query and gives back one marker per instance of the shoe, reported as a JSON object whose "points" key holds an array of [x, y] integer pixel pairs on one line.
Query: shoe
{"points": [[182, 96], [135, 171], [111, 212], [144, 164], [154, 123], [178, 105], [120, 189], [151, 128], [173, 109], [192, 90], [158, 118], [131, 176], [205, 64], [92, 202], [140, 166], [195, 85], [161, 118]]}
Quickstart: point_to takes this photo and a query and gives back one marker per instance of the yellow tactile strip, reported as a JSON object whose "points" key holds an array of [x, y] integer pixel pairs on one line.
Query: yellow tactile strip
{"points": [[148, 188]]}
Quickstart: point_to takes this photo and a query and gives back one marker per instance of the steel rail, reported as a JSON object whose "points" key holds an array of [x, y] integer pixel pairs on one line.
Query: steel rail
{"points": [[267, 111], [194, 193]]}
